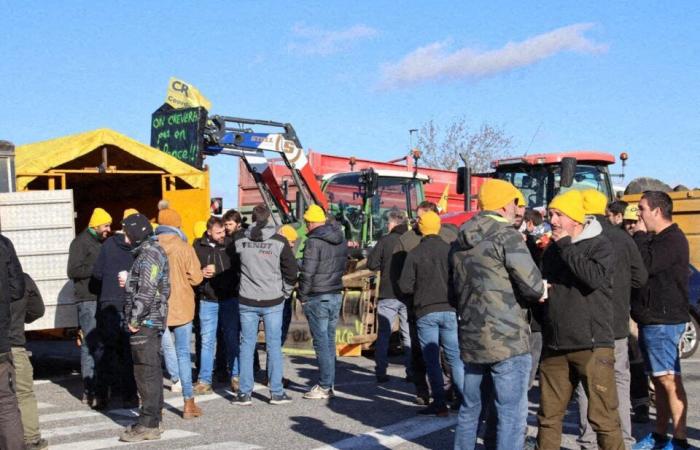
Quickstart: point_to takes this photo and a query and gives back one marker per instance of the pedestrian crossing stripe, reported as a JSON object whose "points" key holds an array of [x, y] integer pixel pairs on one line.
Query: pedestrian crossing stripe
{"points": [[98, 444]]}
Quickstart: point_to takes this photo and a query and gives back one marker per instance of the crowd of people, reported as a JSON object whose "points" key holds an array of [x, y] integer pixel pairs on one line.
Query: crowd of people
{"points": [[593, 297]]}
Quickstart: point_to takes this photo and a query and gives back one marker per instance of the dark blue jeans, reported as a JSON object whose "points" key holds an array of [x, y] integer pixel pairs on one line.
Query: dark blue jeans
{"points": [[510, 384], [322, 313], [435, 330], [87, 322], [113, 362]]}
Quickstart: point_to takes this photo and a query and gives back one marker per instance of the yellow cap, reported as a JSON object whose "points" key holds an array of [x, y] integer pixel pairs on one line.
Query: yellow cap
{"points": [[571, 204], [594, 202], [288, 232], [99, 217], [521, 198], [314, 214], [631, 212], [429, 223], [495, 194], [128, 212], [199, 228]]}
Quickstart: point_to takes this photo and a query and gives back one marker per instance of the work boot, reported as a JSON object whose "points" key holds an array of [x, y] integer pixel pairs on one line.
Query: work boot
{"points": [[191, 410], [202, 388], [39, 444], [138, 433]]}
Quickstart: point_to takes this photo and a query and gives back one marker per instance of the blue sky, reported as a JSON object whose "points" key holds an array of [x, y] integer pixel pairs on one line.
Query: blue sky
{"points": [[354, 77]]}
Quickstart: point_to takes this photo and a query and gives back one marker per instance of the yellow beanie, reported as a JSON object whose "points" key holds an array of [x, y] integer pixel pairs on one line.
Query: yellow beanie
{"points": [[314, 214], [429, 223], [495, 194], [631, 212], [571, 204], [521, 198], [288, 232], [594, 202], [128, 212], [99, 217], [199, 228]]}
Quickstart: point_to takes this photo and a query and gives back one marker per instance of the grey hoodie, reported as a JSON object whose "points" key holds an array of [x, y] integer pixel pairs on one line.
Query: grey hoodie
{"points": [[268, 267]]}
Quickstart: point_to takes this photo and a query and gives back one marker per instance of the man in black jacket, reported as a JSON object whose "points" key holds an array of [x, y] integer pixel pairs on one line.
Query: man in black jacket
{"points": [[217, 303], [11, 290], [578, 325], [325, 258], [661, 310], [26, 310], [390, 304], [82, 255], [425, 275], [628, 273]]}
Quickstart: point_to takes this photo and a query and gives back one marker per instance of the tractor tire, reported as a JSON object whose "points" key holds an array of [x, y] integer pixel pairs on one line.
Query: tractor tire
{"points": [[639, 185]]}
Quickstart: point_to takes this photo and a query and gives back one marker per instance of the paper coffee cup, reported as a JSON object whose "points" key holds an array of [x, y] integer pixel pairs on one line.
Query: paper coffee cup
{"points": [[211, 268], [122, 276]]}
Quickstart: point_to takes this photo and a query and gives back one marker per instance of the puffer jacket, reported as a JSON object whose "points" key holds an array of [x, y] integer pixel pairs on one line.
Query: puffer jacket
{"points": [[495, 280], [185, 273], [325, 258], [267, 264], [578, 314], [12, 287], [148, 287], [82, 255]]}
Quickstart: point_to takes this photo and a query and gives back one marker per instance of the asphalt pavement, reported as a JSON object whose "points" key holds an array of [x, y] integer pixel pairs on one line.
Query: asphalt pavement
{"points": [[364, 415]]}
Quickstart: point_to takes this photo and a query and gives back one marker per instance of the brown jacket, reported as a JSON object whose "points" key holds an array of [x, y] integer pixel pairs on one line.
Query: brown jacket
{"points": [[185, 272]]}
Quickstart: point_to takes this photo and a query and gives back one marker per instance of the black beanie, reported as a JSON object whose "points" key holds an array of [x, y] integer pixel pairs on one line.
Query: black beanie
{"points": [[137, 228]]}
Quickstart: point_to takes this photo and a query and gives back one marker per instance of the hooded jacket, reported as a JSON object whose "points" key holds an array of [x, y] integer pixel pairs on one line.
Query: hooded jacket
{"points": [[148, 287], [115, 256], [82, 255], [578, 313], [664, 299], [495, 280], [26, 310], [11, 288], [185, 273], [325, 258], [628, 273], [268, 268], [224, 284], [425, 276], [382, 258]]}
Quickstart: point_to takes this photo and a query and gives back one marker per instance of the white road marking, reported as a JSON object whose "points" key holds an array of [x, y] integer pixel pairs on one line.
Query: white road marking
{"points": [[98, 444], [226, 446], [394, 434], [41, 405], [81, 429]]}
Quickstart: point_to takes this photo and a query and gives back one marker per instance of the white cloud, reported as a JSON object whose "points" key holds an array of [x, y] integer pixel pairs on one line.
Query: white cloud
{"points": [[315, 41], [435, 62]]}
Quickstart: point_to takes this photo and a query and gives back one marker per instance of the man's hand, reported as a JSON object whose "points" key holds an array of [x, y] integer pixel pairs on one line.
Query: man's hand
{"points": [[133, 329]]}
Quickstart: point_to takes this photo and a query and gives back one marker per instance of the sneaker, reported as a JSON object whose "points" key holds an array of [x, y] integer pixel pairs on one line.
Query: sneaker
{"points": [[650, 442], [382, 378], [280, 399], [138, 433], [202, 388], [435, 410], [242, 400], [235, 384], [318, 393], [176, 386], [39, 444], [641, 414]]}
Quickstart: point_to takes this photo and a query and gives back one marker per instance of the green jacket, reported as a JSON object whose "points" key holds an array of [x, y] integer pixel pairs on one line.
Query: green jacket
{"points": [[494, 279]]}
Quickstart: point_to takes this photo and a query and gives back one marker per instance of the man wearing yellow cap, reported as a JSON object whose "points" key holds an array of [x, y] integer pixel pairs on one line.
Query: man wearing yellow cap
{"points": [[425, 276], [494, 278], [579, 341], [82, 255], [320, 286], [630, 220], [628, 273]]}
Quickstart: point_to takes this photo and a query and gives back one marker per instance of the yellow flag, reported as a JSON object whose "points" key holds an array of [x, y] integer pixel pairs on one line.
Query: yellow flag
{"points": [[183, 95], [442, 204]]}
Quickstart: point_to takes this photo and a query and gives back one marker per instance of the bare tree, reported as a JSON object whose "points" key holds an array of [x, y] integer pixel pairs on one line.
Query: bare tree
{"points": [[442, 149]]}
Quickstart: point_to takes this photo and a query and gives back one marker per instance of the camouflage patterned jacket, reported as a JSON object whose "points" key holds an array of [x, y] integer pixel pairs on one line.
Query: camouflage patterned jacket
{"points": [[148, 287], [494, 278]]}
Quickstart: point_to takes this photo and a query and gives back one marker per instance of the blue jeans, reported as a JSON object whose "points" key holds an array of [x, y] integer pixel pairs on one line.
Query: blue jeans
{"points": [[387, 310], [87, 322], [170, 356], [183, 341], [230, 319], [208, 323], [435, 330], [272, 318], [510, 384], [322, 313]]}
